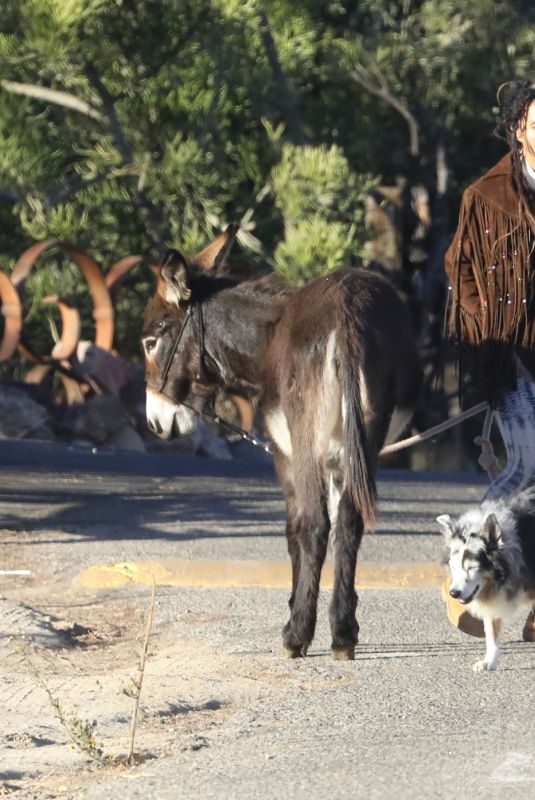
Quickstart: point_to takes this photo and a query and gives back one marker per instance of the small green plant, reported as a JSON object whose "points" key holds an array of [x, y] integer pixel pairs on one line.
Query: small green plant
{"points": [[81, 733], [133, 689]]}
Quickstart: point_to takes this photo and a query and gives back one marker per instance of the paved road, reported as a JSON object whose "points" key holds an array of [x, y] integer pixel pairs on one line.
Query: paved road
{"points": [[408, 718]]}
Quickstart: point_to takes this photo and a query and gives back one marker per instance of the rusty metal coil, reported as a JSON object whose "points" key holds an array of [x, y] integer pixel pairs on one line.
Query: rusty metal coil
{"points": [[103, 313], [103, 290], [11, 310], [118, 271]]}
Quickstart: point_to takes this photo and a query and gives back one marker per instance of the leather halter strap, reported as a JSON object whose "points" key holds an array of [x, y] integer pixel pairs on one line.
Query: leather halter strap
{"points": [[172, 352], [210, 415], [174, 348]]}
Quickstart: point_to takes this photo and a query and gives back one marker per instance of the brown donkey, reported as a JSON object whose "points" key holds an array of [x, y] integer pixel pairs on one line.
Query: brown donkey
{"points": [[335, 368]]}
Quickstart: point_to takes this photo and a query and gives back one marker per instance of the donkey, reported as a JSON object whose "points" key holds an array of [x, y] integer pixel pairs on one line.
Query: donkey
{"points": [[334, 366]]}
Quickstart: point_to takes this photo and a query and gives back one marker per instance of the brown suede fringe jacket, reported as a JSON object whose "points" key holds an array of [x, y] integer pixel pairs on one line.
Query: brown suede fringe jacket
{"points": [[489, 263]]}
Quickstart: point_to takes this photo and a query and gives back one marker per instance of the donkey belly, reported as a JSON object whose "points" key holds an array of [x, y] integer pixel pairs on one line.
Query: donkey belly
{"points": [[306, 421]]}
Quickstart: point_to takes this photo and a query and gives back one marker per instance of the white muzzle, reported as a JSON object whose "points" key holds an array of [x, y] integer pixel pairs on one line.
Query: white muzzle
{"points": [[166, 418]]}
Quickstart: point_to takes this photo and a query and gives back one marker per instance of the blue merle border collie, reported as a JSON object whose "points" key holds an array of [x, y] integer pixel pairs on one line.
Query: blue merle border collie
{"points": [[491, 557]]}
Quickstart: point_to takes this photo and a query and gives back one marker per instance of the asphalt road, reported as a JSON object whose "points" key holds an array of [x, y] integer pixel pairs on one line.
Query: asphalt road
{"points": [[408, 718]]}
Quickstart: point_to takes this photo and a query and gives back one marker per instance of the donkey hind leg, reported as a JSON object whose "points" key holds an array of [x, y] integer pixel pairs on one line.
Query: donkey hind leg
{"points": [[308, 533], [284, 472], [342, 613]]}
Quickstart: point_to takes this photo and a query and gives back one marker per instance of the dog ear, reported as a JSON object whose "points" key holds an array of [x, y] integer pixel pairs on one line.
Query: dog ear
{"points": [[492, 531], [174, 278], [447, 525]]}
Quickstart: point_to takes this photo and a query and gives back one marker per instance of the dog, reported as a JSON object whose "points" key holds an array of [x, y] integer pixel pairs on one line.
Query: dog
{"points": [[491, 558]]}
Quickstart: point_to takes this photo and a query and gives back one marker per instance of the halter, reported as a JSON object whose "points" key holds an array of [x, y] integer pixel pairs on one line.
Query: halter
{"points": [[210, 415], [172, 352]]}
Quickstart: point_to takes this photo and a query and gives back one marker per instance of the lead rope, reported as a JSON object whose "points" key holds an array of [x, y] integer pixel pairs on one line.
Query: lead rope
{"points": [[254, 440], [487, 459]]}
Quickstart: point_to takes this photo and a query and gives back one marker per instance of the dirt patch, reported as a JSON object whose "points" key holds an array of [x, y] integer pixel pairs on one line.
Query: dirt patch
{"points": [[181, 703]]}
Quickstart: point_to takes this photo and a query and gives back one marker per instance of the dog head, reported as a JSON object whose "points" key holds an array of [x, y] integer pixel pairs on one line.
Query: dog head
{"points": [[471, 541]]}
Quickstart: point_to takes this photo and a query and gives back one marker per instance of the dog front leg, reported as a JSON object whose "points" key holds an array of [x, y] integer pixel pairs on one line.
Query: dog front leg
{"points": [[492, 652]]}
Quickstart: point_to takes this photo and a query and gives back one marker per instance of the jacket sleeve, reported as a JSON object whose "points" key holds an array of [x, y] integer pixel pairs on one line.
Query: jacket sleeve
{"points": [[459, 263]]}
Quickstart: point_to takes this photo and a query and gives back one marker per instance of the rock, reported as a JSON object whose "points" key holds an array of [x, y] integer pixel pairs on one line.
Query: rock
{"points": [[98, 419], [21, 417], [126, 438], [109, 371], [210, 444]]}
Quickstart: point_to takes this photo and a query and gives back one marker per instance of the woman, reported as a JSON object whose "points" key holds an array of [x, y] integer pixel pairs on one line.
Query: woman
{"points": [[490, 264]]}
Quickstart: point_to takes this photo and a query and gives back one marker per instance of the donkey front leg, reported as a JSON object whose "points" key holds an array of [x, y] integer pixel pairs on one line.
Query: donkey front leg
{"points": [[308, 533], [346, 542]]}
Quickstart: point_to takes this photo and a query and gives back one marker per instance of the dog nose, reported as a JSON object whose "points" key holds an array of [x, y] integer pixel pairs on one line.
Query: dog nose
{"points": [[455, 593]]}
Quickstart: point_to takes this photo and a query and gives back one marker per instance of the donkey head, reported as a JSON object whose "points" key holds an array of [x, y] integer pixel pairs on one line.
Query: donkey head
{"points": [[179, 380]]}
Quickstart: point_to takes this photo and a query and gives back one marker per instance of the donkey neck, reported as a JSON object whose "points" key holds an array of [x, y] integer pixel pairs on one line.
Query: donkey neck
{"points": [[238, 322]]}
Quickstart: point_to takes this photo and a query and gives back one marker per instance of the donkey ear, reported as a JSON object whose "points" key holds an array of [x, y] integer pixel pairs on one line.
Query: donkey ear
{"points": [[174, 278], [213, 257], [492, 530]]}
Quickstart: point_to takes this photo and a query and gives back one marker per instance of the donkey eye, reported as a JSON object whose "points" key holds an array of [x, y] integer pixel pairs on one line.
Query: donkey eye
{"points": [[161, 325], [150, 343]]}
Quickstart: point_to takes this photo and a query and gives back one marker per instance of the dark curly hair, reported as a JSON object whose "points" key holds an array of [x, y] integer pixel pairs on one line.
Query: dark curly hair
{"points": [[515, 99]]}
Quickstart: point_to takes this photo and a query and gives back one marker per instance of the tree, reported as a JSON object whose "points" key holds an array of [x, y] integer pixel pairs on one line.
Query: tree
{"points": [[127, 127]]}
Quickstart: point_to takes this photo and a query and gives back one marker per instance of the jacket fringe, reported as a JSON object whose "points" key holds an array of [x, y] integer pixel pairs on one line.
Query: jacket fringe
{"points": [[491, 292]]}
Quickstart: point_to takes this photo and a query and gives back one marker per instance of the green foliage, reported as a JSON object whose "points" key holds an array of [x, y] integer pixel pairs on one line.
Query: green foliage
{"points": [[311, 248], [317, 180], [321, 201], [167, 120]]}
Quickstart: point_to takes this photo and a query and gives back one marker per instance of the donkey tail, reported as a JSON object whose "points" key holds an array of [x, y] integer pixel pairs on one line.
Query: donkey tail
{"points": [[359, 466]]}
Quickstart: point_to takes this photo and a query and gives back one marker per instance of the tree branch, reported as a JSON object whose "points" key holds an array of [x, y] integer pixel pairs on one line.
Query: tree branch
{"points": [[380, 89], [108, 105], [64, 191], [287, 99], [177, 47], [65, 99], [147, 209]]}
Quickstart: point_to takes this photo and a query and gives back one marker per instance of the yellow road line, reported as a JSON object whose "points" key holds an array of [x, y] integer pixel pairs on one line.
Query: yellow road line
{"points": [[205, 574]]}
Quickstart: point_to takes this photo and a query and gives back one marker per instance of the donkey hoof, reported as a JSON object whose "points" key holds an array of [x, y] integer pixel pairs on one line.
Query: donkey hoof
{"points": [[295, 651], [343, 653]]}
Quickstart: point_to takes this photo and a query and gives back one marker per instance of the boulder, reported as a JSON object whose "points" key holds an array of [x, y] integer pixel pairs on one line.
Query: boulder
{"points": [[21, 417]]}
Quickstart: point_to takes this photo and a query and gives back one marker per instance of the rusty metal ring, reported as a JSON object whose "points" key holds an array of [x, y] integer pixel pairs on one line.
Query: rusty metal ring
{"points": [[11, 310], [103, 313], [70, 333], [73, 389], [71, 327], [245, 411], [118, 271]]}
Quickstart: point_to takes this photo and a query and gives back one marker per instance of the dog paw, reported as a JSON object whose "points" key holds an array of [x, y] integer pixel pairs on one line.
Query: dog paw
{"points": [[484, 666]]}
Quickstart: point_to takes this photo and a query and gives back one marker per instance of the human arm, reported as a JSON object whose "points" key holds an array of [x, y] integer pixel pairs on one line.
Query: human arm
{"points": [[459, 263]]}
